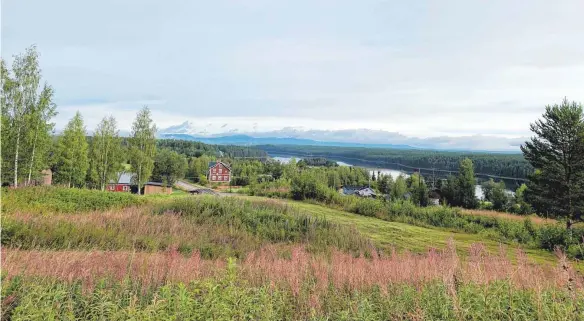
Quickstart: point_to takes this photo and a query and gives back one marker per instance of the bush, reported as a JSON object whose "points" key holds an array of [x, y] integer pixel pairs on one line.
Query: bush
{"points": [[51, 199]]}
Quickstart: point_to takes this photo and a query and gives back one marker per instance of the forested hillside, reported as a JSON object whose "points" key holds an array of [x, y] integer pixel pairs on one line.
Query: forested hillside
{"points": [[197, 149], [507, 165]]}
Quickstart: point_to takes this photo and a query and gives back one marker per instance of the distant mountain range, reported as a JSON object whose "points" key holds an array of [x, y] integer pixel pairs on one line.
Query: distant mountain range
{"points": [[344, 138], [249, 140]]}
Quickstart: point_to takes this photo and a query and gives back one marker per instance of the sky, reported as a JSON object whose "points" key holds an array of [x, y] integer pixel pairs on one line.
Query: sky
{"points": [[418, 68]]}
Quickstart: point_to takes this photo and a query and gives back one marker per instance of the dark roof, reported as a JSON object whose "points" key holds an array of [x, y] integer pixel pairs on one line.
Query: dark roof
{"points": [[202, 191], [358, 190], [366, 192], [211, 164], [156, 184]]}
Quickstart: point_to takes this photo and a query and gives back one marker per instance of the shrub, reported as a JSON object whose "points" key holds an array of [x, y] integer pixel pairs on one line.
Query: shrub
{"points": [[51, 199]]}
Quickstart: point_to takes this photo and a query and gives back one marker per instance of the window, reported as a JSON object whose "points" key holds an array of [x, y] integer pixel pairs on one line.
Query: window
{"points": [[213, 178], [214, 171], [226, 178], [125, 188], [220, 170]]}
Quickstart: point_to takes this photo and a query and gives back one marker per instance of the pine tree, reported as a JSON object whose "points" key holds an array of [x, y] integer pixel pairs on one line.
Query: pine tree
{"points": [[72, 154], [556, 188], [418, 189], [142, 147], [106, 153]]}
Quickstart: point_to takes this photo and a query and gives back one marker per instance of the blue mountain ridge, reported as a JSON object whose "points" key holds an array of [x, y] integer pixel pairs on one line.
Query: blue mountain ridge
{"points": [[249, 140]]}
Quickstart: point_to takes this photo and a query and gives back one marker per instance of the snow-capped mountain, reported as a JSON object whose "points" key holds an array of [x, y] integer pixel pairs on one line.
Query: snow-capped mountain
{"points": [[224, 134], [187, 128]]}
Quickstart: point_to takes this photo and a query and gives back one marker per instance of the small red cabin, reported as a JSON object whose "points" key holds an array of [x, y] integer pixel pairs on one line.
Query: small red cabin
{"points": [[219, 172], [122, 184]]}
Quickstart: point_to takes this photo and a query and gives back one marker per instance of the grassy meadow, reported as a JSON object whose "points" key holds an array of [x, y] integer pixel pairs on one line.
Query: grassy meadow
{"points": [[90, 255]]}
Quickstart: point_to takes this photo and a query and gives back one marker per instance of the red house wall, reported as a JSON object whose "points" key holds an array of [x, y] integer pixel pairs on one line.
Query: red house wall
{"points": [[219, 173], [118, 188]]}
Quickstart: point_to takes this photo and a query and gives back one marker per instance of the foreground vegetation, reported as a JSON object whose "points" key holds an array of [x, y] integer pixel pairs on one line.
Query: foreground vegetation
{"points": [[299, 288], [251, 258]]}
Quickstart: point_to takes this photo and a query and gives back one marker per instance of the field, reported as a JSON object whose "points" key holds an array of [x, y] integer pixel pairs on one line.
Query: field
{"points": [[185, 257]]}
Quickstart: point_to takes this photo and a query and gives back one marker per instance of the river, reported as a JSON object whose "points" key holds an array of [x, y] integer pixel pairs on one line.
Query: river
{"points": [[384, 171]]}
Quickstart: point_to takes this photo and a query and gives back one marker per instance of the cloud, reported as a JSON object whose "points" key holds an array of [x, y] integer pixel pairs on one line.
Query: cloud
{"points": [[424, 69]]}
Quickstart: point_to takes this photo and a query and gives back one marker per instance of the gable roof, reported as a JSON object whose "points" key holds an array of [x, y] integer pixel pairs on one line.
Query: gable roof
{"points": [[359, 190], [213, 164], [123, 178]]}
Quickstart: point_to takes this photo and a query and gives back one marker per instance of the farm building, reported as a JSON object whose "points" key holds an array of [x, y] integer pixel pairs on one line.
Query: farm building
{"points": [[219, 172], [122, 184], [361, 191], [156, 188]]}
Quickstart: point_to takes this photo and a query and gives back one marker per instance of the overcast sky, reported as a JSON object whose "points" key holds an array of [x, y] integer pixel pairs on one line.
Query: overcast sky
{"points": [[421, 68]]}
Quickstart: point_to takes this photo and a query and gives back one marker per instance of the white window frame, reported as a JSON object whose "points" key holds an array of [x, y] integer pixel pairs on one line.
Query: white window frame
{"points": [[213, 178], [220, 171]]}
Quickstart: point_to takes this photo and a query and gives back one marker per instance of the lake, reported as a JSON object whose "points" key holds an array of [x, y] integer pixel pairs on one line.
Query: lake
{"points": [[384, 171]]}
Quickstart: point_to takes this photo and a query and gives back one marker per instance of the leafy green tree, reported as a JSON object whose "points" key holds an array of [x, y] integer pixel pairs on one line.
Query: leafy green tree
{"points": [[38, 140], [198, 166], [522, 206], [106, 153], [142, 145], [26, 114], [400, 188], [499, 197], [465, 189], [557, 153], [169, 167], [488, 187], [72, 149]]}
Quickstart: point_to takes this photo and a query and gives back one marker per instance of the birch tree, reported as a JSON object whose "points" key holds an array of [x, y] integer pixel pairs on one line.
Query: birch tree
{"points": [[26, 115], [38, 133], [72, 149], [106, 152], [142, 145], [19, 95]]}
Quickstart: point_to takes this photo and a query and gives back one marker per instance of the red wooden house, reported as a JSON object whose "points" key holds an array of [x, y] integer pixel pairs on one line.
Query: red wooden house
{"points": [[219, 172], [122, 184]]}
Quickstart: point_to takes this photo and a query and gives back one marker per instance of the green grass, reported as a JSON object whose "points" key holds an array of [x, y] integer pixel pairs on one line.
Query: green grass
{"points": [[230, 298], [51, 199], [404, 236]]}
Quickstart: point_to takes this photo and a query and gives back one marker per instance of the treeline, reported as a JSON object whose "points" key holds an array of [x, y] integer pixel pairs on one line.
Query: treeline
{"points": [[317, 161], [198, 149], [508, 165]]}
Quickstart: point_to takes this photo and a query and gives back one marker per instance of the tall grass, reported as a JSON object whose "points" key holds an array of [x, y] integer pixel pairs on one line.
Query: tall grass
{"points": [[51, 199], [212, 226], [264, 286]]}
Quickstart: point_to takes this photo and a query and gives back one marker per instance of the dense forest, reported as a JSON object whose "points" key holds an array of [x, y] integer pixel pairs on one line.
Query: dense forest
{"points": [[197, 149], [504, 165]]}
